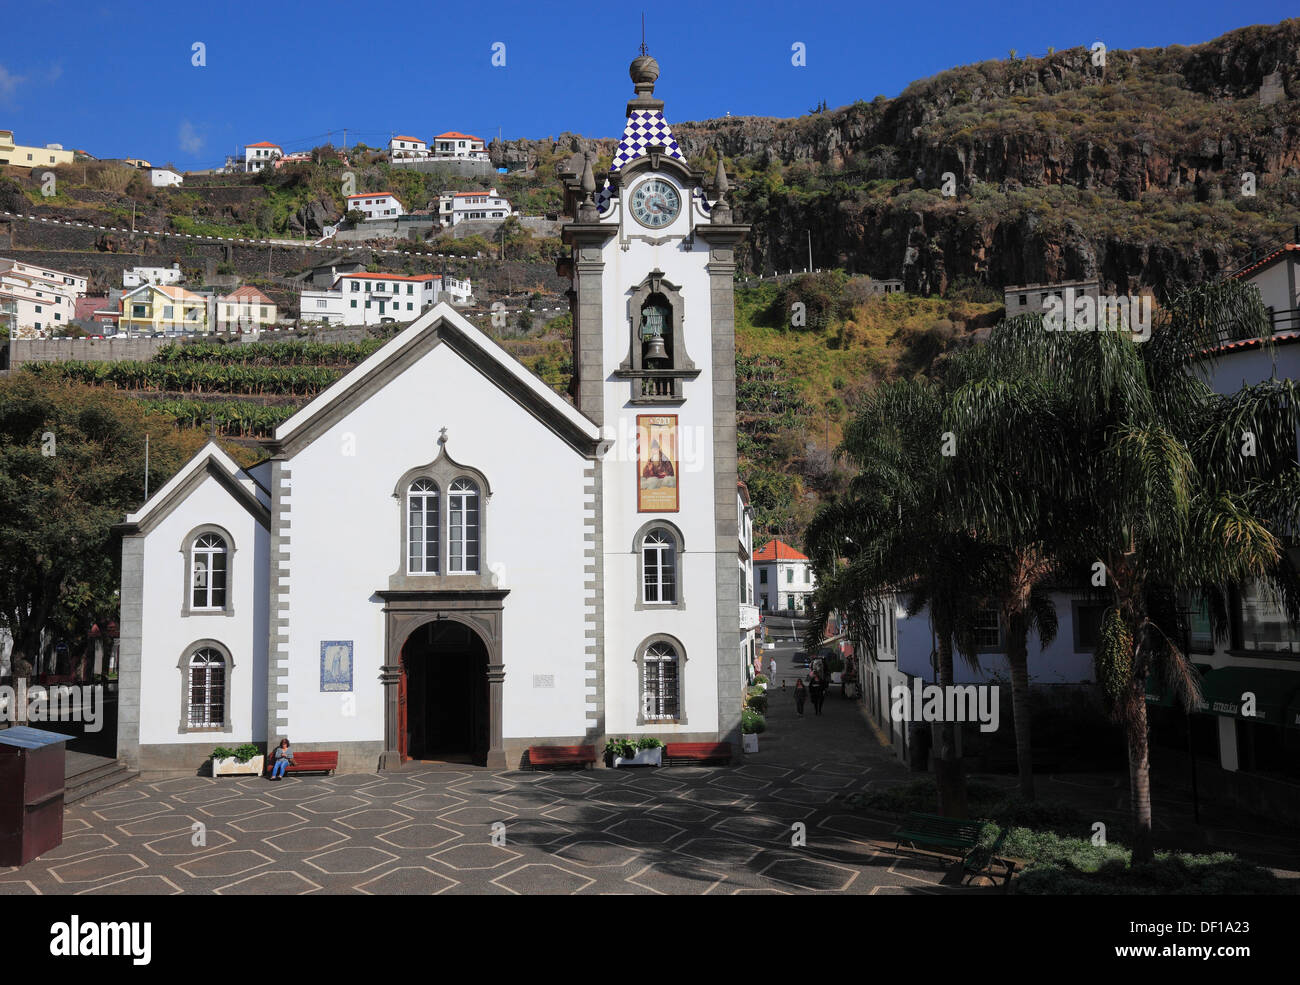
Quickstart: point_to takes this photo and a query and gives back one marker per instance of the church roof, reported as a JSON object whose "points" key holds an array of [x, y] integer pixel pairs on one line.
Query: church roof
{"points": [[445, 322], [209, 460]]}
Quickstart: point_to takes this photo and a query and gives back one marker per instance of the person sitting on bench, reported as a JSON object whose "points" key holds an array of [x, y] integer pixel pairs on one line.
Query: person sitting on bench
{"points": [[283, 760]]}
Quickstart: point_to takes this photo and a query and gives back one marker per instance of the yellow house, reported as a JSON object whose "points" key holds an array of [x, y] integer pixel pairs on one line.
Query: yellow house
{"points": [[19, 156], [154, 308], [246, 309]]}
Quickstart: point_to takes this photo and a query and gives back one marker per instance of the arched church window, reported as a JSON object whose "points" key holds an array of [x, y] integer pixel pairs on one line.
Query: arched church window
{"points": [[660, 690], [422, 527], [659, 568], [207, 673], [463, 527], [208, 572]]}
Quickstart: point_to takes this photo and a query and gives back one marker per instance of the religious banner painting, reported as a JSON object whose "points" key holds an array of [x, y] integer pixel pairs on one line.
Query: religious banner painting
{"points": [[657, 463], [336, 665]]}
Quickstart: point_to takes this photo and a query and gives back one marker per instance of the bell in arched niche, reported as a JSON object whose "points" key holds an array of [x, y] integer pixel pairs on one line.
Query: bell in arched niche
{"points": [[656, 328]]}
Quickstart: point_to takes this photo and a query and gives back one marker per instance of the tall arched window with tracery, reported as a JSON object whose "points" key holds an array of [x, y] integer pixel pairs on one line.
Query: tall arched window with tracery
{"points": [[660, 692], [463, 527], [422, 522], [208, 572], [207, 687]]}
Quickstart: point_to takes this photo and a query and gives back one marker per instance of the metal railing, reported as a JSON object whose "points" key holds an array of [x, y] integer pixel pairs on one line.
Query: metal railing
{"points": [[1256, 255]]}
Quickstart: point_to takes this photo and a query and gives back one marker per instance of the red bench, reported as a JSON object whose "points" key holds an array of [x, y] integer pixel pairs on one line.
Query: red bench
{"points": [[698, 752], [307, 762], [579, 756]]}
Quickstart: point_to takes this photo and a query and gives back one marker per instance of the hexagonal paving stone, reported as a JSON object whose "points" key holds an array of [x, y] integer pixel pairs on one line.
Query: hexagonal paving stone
{"points": [[373, 819], [116, 796], [72, 825], [713, 796], [681, 813], [478, 856], [180, 784], [133, 811], [763, 771], [430, 802], [269, 821], [598, 854], [742, 783], [95, 868], [543, 878], [306, 840], [857, 826], [351, 781], [408, 880], [522, 776], [391, 789], [334, 804], [811, 873], [568, 786], [237, 807], [807, 796], [581, 814], [420, 836], [276, 883], [533, 831], [720, 851], [823, 781], [527, 799], [225, 864], [482, 785], [676, 879], [756, 828], [351, 860], [80, 844], [657, 783], [477, 816], [785, 812], [206, 795], [158, 825], [644, 830], [182, 843], [624, 797], [135, 886]]}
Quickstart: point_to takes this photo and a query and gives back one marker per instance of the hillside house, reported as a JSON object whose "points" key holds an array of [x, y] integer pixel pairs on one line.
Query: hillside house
{"points": [[376, 205], [259, 155], [459, 146]]}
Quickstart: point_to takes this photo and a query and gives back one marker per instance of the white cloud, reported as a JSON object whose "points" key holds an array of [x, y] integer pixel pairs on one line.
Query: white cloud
{"points": [[191, 141], [9, 83]]}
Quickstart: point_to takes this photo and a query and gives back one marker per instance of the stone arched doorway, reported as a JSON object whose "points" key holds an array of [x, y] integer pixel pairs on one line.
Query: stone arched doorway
{"points": [[443, 647], [443, 703]]}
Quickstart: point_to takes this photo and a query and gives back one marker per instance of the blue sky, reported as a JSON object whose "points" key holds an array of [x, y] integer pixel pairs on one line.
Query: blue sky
{"points": [[119, 81]]}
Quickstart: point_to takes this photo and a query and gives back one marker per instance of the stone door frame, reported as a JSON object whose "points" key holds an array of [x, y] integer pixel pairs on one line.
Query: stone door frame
{"points": [[405, 611]]}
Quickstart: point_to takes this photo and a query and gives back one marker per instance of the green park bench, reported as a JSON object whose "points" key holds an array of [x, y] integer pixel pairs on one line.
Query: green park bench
{"points": [[957, 836]]}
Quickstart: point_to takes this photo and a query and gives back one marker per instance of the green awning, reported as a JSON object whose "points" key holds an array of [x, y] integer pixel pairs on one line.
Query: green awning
{"points": [[1162, 696], [1272, 690]]}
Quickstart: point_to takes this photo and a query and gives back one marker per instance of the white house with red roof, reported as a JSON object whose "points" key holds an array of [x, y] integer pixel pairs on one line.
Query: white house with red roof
{"points": [[376, 205], [246, 309], [403, 147], [784, 580], [459, 146], [259, 155], [455, 207], [371, 299]]}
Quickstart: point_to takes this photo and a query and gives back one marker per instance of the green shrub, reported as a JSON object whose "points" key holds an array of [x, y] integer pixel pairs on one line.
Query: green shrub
{"points": [[751, 722], [221, 752], [246, 752], [620, 748], [761, 679], [648, 742], [758, 702]]}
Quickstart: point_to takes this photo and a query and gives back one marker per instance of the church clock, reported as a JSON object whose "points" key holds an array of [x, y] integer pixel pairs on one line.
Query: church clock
{"points": [[655, 203]]}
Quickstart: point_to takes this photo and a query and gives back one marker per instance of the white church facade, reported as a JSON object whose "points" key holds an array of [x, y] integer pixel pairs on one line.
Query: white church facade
{"points": [[441, 558]]}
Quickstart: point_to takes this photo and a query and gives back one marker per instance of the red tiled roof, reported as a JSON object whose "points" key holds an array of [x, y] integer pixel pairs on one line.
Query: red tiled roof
{"points": [[373, 195], [1278, 338], [247, 293], [404, 137], [1265, 261], [393, 276], [264, 143], [779, 550], [453, 135]]}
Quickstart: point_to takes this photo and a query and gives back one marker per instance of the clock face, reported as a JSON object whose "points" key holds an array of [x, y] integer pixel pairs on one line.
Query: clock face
{"points": [[655, 203]]}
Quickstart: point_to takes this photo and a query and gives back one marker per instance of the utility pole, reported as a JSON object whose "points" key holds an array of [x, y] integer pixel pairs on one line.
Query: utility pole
{"points": [[146, 466], [132, 217], [810, 267]]}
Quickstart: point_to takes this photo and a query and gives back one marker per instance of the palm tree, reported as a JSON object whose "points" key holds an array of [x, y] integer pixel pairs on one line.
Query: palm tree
{"points": [[1152, 484], [895, 531]]}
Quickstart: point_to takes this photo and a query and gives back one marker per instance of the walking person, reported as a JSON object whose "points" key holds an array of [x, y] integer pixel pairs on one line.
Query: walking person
{"points": [[771, 666], [800, 695], [283, 759], [817, 691]]}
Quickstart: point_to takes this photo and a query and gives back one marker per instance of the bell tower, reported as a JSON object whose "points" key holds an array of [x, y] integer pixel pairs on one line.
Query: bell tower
{"points": [[652, 262]]}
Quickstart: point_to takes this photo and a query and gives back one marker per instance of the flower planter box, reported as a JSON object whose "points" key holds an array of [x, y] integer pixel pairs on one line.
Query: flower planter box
{"points": [[750, 740], [643, 757], [233, 767]]}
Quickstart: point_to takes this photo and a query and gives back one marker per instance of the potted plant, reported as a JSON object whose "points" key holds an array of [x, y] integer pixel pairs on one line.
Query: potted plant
{"points": [[244, 761], [645, 751], [751, 723]]}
